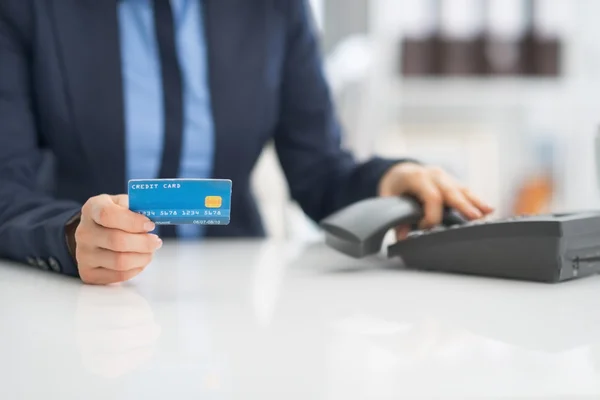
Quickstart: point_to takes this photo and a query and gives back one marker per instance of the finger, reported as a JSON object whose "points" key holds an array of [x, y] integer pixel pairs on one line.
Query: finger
{"points": [[92, 236], [123, 242], [433, 203], [402, 232], [475, 200], [116, 261], [454, 196], [105, 212], [103, 276]]}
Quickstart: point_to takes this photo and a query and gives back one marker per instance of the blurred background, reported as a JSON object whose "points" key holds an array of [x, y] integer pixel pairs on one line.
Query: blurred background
{"points": [[505, 94]]}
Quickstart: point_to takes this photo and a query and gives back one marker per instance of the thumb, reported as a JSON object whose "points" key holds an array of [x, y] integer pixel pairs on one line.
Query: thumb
{"points": [[121, 200]]}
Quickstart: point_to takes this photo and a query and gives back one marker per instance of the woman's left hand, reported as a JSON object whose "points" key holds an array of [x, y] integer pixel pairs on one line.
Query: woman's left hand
{"points": [[435, 189]]}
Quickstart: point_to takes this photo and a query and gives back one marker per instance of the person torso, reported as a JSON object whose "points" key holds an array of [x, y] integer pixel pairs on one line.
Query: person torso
{"points": [[96, 113]]}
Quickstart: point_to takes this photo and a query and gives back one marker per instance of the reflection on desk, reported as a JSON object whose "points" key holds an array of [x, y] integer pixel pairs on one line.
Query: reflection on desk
{"points": [[271, 320], [115, 330]]}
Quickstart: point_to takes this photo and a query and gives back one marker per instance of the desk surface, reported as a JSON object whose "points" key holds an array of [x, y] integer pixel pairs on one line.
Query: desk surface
{"points": [[270, 320]]}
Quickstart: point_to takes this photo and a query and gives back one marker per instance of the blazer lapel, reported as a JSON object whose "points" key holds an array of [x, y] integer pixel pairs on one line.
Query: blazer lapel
{"points": [[232, 28], [213, 10], [88, 36]]}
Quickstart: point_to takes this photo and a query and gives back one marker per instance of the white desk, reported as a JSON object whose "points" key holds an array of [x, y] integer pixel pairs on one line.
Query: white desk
{"points": [[265, 320]]}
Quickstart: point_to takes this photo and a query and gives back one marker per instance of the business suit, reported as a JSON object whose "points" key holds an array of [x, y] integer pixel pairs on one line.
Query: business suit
{"points": [[61, 89]]}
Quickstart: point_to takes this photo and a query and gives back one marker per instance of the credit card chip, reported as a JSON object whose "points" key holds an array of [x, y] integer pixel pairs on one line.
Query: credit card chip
{"points": [[213, 201]]}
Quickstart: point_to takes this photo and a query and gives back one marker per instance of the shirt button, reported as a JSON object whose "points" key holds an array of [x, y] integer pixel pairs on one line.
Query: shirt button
{"points": [[42, 264], [54, 264]]}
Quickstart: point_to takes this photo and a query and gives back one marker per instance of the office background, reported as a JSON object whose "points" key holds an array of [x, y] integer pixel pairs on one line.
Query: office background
{"points": [[503, 93]]}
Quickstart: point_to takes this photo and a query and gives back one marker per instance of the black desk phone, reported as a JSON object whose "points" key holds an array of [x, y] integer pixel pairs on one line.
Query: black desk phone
{"points": [[543, 248]]}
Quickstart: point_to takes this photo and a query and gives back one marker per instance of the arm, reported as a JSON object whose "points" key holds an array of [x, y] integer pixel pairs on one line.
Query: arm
{"points": [[322, 176], [32, 225]]}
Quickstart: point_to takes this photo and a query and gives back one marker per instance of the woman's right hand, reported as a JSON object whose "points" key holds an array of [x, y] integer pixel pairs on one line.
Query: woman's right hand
{"points": [[112, 243]]}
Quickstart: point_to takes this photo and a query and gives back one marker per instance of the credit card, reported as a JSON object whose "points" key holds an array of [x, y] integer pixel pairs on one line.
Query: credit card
{"points": [[182, 201]]}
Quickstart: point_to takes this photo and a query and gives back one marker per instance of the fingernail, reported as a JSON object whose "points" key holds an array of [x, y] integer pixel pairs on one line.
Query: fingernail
{"points": [[159, 242], [149, 226]]}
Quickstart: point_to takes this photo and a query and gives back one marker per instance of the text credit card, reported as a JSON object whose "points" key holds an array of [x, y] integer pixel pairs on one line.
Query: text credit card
{"points": [[182, 201]]}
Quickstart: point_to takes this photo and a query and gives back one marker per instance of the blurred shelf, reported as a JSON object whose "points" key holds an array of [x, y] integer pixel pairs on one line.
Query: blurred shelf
{"points": [[478, 93]]}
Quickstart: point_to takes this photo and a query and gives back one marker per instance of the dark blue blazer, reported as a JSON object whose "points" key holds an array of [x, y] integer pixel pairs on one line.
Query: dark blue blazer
{"points": [[60, 92]]}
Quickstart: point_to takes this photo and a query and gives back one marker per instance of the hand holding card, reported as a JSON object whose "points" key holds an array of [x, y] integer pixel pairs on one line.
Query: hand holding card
{"points": [[112, 244]]}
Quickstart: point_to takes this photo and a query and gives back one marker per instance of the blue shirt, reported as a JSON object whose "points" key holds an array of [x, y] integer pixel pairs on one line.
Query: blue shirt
{"points": [[144, 115]]}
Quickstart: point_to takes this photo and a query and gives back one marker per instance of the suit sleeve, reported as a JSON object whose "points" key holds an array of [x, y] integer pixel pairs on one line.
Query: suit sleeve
{"points": [[322, 176], [32, 224]]}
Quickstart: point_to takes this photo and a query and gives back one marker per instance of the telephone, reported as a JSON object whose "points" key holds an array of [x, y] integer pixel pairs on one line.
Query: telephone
{"points": [[542, 248]]}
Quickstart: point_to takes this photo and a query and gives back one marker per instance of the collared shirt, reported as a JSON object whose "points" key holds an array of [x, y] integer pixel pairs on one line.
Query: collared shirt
{"points": [[144, 115]]}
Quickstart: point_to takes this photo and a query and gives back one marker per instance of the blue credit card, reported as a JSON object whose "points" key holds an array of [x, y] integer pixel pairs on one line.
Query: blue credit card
{"points": [[182, 201]]}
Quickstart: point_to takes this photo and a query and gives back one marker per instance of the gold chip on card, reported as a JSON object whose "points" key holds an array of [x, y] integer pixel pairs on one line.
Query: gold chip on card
{"points": [[213, 201]]}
